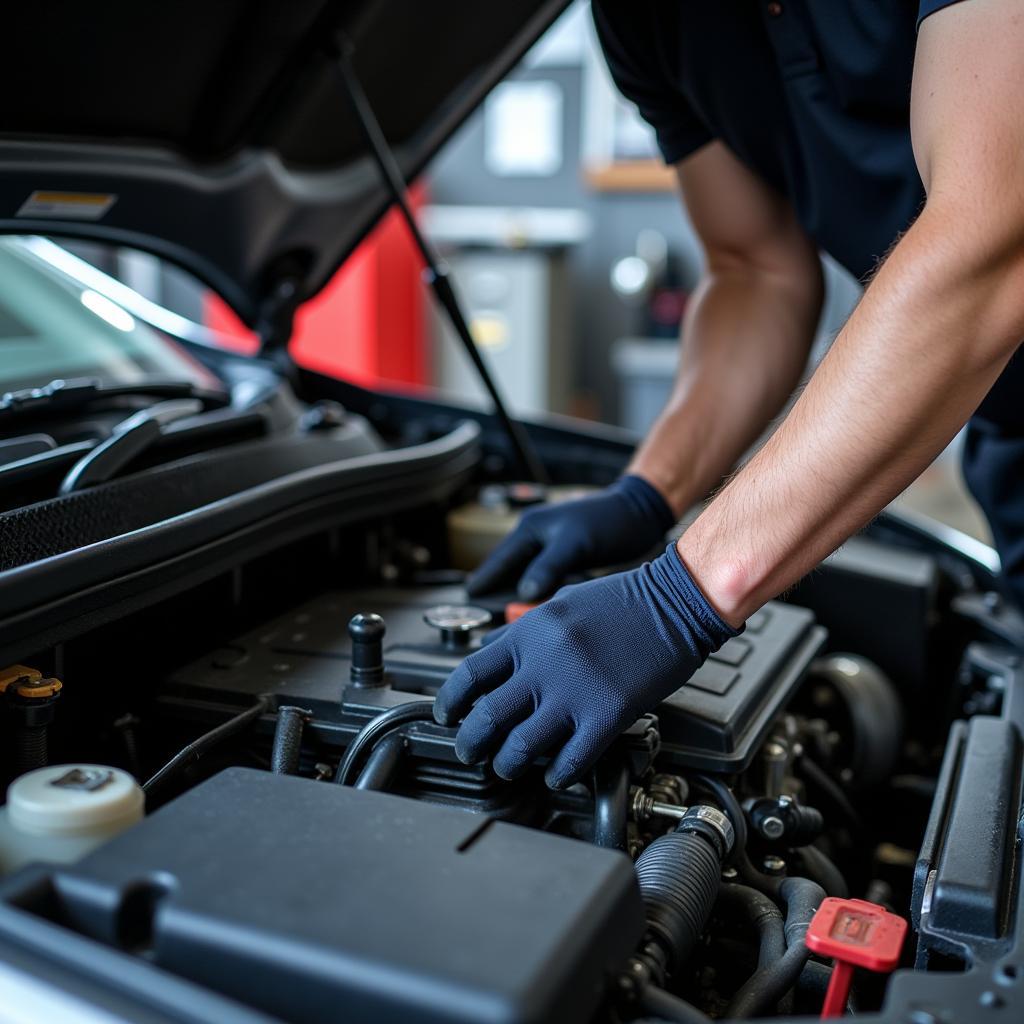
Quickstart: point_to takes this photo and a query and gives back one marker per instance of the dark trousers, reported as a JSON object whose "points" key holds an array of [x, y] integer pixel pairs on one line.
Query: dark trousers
{"points": [[994, 470]]}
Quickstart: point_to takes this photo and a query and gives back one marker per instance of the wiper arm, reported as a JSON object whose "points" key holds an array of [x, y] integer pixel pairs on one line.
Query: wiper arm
{"points": [[64, 396], [25, 446], [131, 438]]}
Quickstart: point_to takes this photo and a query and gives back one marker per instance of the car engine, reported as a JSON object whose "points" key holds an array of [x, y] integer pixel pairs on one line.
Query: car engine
{"points": [[312, 848]]}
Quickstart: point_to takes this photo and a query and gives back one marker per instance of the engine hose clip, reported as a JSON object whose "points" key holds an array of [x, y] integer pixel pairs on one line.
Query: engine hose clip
{"points": [[710, 822]]}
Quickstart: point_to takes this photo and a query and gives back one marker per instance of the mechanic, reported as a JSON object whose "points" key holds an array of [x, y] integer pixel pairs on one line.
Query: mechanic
{"points": [[793, 126]]}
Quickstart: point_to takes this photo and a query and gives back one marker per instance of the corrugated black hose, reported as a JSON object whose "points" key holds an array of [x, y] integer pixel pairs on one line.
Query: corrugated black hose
{"points": [[679, 875]]}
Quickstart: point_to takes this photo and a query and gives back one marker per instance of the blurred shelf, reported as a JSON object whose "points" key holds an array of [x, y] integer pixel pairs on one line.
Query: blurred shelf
{"points": [[509, 227], [631, 176]]}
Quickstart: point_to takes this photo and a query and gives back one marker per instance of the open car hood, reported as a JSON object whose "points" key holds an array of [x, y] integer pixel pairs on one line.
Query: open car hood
{"points": [[217, 135]]}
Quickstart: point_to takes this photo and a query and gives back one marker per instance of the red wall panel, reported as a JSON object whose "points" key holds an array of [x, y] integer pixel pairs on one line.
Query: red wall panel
{"points": [[369, 322]]}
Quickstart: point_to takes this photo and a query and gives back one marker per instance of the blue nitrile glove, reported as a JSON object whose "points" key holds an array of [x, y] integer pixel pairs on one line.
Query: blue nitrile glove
{"points": [[573, 673], [622, 522]]}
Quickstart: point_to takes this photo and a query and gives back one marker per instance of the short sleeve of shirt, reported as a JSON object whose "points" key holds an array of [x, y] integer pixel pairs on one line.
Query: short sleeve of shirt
{"points": [[931, 6], [630, 34]]}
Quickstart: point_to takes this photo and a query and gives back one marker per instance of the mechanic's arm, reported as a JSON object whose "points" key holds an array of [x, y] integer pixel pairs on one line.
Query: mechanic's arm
{"points": [[745, 341], [931, 335], [748, 328]]}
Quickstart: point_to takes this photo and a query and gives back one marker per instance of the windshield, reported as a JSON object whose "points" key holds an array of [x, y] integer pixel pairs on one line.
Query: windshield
{"points": [[53, 327]]}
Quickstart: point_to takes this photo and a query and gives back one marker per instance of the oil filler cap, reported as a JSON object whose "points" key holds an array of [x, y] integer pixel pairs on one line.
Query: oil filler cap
{"points": [[456, 622], [854, 933]]}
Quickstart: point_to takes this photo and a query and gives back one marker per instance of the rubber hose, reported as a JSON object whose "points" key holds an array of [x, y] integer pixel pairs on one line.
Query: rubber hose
{"points": [[611, 805], [198, 747], [287, 748], [383, 763], [731, 806], [763, 914], [679, 875], [768, 984], [666, 1006], [821, 869], [802, 898], [376, 729], [815, 979], [832, 791]]}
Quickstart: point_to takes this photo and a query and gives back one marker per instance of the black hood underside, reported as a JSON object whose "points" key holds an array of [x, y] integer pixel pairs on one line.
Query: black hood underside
{"points": [[217, 135]]}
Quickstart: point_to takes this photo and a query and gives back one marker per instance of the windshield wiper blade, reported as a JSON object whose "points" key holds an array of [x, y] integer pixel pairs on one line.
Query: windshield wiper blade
{"points": [[64, 396]]}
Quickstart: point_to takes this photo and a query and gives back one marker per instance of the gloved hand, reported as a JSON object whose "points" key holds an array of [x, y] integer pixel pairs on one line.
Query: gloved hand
{"points": [[621, 522], [571, 674]]}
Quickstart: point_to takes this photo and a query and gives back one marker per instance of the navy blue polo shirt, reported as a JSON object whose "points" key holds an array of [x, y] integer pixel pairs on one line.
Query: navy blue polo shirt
{"points": [[813, 95]]}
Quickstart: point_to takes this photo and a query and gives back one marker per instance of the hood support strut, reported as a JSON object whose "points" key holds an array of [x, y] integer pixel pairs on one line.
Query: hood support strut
{"points": [[436, 274]]}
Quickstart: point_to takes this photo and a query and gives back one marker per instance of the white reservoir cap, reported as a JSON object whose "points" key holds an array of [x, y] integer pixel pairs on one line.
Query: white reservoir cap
{"points": [[74, 800]]}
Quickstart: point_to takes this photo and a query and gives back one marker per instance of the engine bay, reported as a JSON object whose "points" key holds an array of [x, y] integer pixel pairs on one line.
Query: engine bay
{"points": [[311, 844], [231, 584]]}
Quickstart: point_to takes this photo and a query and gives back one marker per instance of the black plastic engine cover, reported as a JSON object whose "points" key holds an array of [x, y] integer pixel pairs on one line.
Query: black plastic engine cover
{"points": [[713, 722], [320, 903], [717, 720]]}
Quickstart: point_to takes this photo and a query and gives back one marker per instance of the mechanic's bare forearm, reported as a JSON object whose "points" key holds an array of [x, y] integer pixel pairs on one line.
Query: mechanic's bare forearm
{"points": [[927, 341], [762, 320]]}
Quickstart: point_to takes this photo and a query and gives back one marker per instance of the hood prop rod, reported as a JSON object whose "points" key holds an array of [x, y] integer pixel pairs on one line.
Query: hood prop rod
{"points": [[436, 274]]}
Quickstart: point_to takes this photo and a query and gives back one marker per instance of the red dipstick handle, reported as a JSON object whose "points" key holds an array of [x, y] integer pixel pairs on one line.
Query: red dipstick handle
{"points": [[838, 990], [854, 933]]}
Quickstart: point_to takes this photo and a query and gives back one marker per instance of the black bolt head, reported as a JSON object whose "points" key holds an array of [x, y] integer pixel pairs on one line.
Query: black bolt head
{"points": [[366, 628]]}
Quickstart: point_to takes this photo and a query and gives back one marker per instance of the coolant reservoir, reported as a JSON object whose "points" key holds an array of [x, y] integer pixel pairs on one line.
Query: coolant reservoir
{"points": [[61, 812], [476, 529]]}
